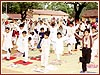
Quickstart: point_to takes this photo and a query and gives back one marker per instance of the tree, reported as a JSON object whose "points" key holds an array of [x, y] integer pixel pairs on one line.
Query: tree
{"points": [[61, 6], [21, 7], [81, 7], [78, 8], [72, 8]]}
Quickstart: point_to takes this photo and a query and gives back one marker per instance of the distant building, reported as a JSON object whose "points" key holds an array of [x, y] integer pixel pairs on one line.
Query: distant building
{"points": [[40, 14], [91, 15], [17, 16], [46, 14]]}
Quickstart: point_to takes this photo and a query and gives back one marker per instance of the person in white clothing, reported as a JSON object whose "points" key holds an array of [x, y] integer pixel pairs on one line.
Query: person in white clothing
{"points": [[70, 37], [95, 46], [41, 25], [53, 33], [59, 45], [22, 27], [31, 35], [22, 44], [7, 41], [45, 46]]}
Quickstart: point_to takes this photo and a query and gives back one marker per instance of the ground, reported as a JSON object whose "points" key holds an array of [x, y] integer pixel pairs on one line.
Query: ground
{"points": [[69, 64]]}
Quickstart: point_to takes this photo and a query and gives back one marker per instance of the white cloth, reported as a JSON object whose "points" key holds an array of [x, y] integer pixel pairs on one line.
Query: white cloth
{"points": [[22, 44], [60, 45], [7, 41], [45, 46], [32, 41], [41, 26], [53, 35], [95, 49], [70, 35]]}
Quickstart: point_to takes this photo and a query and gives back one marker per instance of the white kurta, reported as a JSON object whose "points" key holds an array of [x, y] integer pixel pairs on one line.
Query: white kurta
{"points": [[59, 45], [70, 35], [32, 41], [45, 46], [22, 44], [53, 35], [41, 26], [7, 41]]}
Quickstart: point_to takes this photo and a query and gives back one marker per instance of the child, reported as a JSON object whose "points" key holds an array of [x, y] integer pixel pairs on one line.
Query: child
{"points": [[86, 50], [59, 45], [31, 40], [41, 34], [22, 44], [29, 43], [45, 46], [7, 41]]}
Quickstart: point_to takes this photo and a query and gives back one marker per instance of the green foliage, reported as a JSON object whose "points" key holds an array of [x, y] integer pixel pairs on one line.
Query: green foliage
{"points": [[91, 5], [19, 7]]}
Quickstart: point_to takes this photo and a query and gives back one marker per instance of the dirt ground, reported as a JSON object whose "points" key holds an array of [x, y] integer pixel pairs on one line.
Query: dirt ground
{"points": [[69, 64]]}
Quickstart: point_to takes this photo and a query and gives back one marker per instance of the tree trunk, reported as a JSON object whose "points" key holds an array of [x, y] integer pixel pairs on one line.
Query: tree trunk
{"points": [[78, 11], [77, 14], [23, 15]]}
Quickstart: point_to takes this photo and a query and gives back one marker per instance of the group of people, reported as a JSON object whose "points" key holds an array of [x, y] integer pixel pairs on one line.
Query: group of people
{"points": [[41, 34]]}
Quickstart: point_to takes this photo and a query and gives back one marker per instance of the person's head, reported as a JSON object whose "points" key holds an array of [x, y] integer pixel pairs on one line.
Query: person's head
{"points": [[32, 33], [42, 29], [35, 23], [71, 24], [46, 34], [21, 26], [29, 39], [86, 32], [7, 29], [93, 29], [52, 24], [24, 33], [59, 35], [41, 22]]}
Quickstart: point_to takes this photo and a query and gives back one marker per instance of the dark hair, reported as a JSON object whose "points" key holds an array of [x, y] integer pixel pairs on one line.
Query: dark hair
{"points": [[24, 32], [42, 29], [71, 22], [29, 38], [21, 25], [41, 21], [88, 30], [7, 28], [93, 27], [32, 33], [47, 33], [53, 24], [59, 33]]}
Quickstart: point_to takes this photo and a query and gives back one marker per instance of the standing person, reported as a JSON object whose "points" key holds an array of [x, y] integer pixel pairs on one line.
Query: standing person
{"points": [[22, 44], [41, 25], [53, 33], [77, 31], [86, 49], [59, 46], [7, 42], [95, 46], [41, 34], [32, 35], [70, 37], [45, 46]]}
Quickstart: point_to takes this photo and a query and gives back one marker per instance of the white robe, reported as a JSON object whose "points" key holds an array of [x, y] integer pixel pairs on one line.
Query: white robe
{"points": [[22, 44], [7, 41], [70, 35], [45, 46], [60, 45]]}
